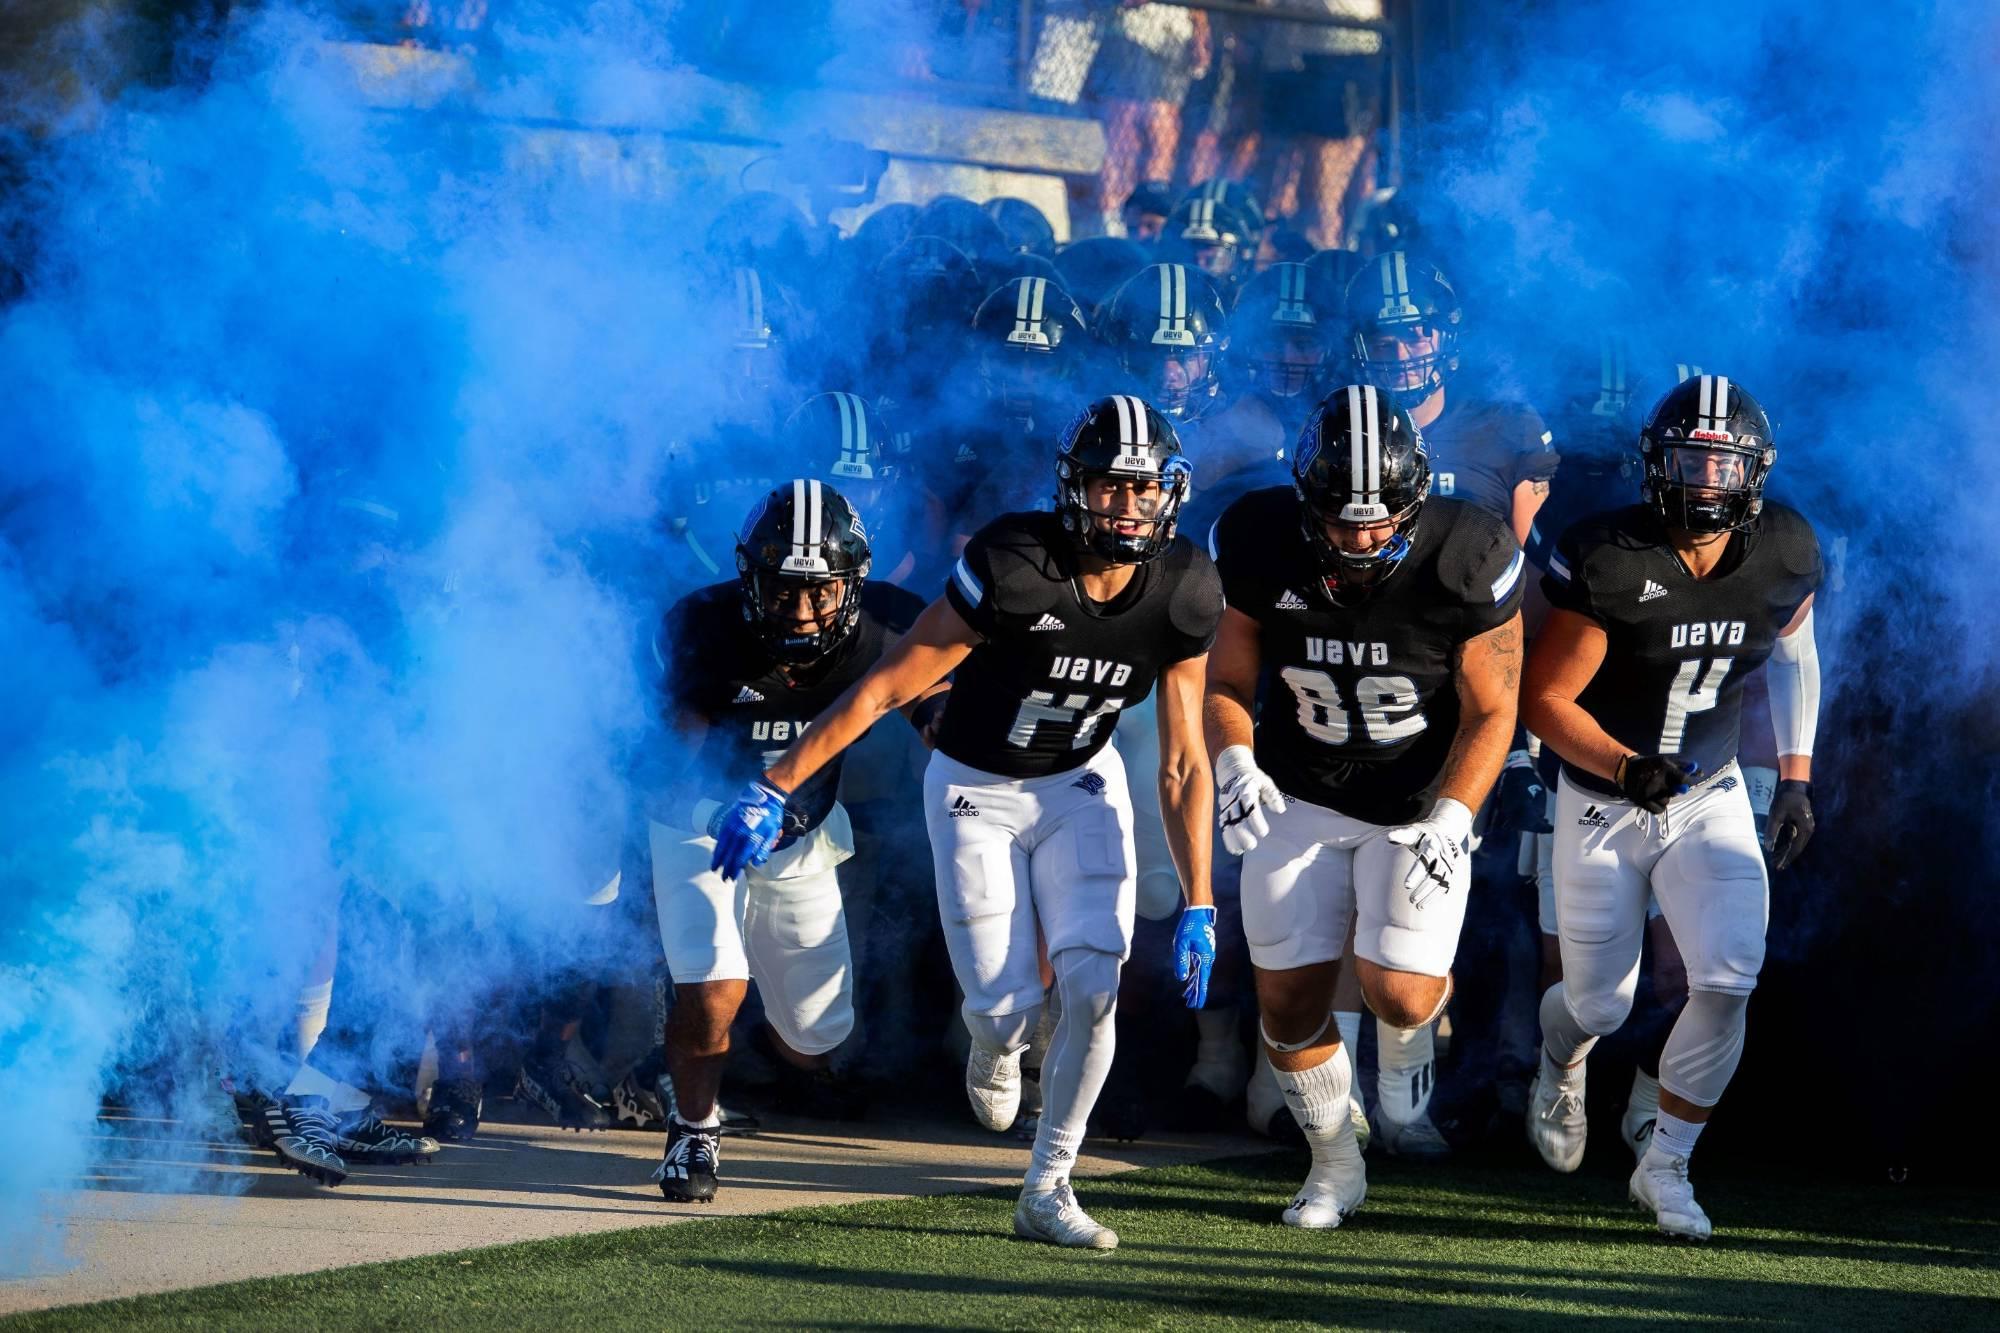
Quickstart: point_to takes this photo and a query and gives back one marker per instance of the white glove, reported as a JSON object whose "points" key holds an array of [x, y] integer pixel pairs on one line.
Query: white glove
{"points": [[1242, 790], [1439, 843]]}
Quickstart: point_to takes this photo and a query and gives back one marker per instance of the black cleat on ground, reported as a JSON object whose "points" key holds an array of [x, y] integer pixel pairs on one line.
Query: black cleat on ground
{"points": [[687, 1172], [644, 1096], [302, 1135], [363, 1137], [251, 1108], [454, 1110], [1119, 1117], [548, 1081]]}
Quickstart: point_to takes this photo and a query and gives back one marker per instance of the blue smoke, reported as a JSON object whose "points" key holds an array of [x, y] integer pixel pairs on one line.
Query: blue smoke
{"points": [[335, 436]]}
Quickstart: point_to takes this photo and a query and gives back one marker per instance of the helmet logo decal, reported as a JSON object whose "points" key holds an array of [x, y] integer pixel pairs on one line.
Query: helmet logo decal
{"points": [[1028, 327], [1173, 328]]}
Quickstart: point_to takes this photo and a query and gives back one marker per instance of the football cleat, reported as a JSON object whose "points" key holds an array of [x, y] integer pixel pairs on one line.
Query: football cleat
{"points": [[993, 1086], [363, 1137], [453, 1113], [1557, 1125], [1417, 1139], [1056, 1217], [1660, 1186], [644, 1098], [552, 1083], [687, 1171], [302, 1131], [1333, 1190]]}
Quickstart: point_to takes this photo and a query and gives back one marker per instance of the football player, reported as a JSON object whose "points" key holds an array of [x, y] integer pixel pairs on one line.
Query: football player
{"points": [[1405, 320], [747, 665], [1053, 622], [1382, 629], [1659, 611], [1166, 329]]}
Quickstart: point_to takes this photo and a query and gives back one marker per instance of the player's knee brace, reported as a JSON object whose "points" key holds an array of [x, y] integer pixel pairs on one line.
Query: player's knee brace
{"points": [[1600, 1013], [1705, 1046], [1088, 983]]}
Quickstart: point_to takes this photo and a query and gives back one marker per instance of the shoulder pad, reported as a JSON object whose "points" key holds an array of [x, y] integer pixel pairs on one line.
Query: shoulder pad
{"points": [[1027, 575], [1797, 543], [1479, 561], [1195, 601]]}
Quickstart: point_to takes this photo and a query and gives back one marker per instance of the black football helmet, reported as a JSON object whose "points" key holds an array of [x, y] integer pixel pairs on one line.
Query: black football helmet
{"points": [[1031, 342], [1212, 236], [1026, 227], [1399, 301], [1121, 436], [840, 438], [1095, 267], [1706, 451], [1238, 198], [763, 324], [802, 538], [1166, 328], [1285, 333], [1360, 461]]}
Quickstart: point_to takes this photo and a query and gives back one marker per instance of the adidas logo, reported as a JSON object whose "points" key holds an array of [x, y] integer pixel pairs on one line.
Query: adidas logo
{"points": [[966, 454], [1652, 590], [1593, 818], [746, 695], [1048, 622], [962, 808], [1291, 601]]}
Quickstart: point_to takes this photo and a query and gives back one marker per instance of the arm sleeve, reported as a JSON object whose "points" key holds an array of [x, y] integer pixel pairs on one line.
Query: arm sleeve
{"points": [[1565, 585], [1793, 677]]}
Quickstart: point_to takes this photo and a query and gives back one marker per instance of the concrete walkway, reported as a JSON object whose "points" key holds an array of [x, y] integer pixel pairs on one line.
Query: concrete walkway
{"points": [[231, 1213]]}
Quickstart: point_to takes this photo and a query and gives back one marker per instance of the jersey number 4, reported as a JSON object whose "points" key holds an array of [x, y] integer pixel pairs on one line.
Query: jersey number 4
{"points": [[1040, 706], [1693, 691], [1323, 713]]}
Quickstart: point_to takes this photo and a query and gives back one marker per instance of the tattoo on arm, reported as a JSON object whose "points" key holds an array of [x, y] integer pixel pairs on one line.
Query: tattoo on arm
{"points": [[1539, 487], [1501, 649]]}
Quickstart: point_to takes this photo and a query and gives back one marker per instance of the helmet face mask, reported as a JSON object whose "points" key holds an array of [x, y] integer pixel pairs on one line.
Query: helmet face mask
{"points": [[802, 549], [1404, 316], [1167, 330], [1290, 365], [1362, 475], [1030, 338], [1125, 441], [1706, 451]]}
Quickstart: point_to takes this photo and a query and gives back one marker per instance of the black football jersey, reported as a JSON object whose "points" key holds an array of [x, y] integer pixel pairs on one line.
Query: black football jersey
{"points": [[1482, 451], [716, 668], [1357, 705], [1678, 648], [1043, 692]]}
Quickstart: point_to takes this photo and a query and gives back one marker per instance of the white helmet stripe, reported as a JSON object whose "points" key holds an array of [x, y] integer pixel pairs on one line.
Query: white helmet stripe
{"points": [[1039, 287], [1123, 406], [1167, 311], [1142, 430], [1023, 299], [813, 520], [798, 516], [1722, 402], [1373, 434], [1357, 483], [750, 291]]}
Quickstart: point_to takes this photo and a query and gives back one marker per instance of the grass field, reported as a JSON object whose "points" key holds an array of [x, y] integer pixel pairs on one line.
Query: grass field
{"points": [[1465, 1245]]}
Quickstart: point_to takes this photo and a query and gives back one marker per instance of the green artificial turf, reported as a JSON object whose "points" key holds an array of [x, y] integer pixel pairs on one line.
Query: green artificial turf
{"points": [[1460, 1245]]}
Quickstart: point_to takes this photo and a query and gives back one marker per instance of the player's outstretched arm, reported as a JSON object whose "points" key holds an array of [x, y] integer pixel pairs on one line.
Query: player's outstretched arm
{"points": [[1489, 692], [1185, 786], [935, 645], [1567, 653]]}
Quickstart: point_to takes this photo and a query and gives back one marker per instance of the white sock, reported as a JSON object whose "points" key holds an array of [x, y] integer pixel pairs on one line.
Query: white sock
{"points": [[1645, 1097], [713, 1120], [1673, 1137], [1564, 1042], [340, 1097], [315, 1002], [1348, 1023], [1077, 1063], [1405, 1070], [1318, 1101]]}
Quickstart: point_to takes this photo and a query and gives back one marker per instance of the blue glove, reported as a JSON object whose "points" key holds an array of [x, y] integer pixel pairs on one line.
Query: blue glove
{"points": [[1194, 953], [746, 831]]}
